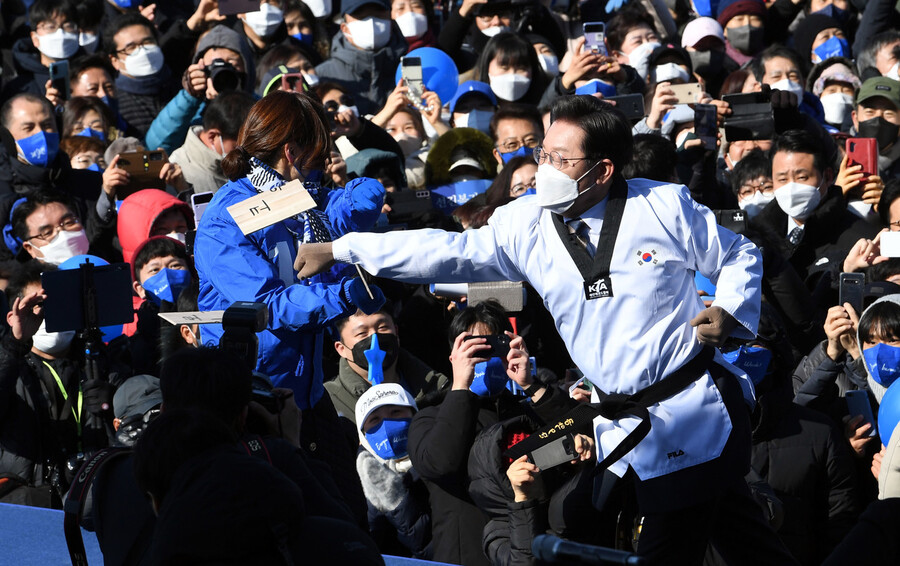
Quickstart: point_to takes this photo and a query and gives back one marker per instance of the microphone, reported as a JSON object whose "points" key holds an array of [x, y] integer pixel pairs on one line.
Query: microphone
{"points": [[550, 548]]}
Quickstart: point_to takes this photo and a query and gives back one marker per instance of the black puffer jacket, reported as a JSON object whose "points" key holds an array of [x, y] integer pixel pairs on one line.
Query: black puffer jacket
{"points": [[37, 427], [803, 456], [440, 438]]}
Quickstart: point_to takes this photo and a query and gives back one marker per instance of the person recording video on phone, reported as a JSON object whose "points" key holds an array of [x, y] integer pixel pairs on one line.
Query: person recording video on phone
{"points": [[625, 303]]}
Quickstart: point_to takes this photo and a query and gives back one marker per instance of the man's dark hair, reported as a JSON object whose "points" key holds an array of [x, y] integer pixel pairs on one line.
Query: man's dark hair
{"points": [[47, 10], [90, 14], [800, 141], [881, 271], [210, 379], [29, 272], [121, 22], [173, 438], [489, 313], [654, 158], [758, 65], [888, 196], [752, 166], [607, 133], [515, 111], [623, 22], [227, 112], [95, 61], [32, 203], [880, 322], [387, 308], [6, 110], [160, 246]]}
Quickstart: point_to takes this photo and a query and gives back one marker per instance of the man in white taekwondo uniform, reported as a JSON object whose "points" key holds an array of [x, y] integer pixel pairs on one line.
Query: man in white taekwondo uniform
{"points": [[626, 326]]}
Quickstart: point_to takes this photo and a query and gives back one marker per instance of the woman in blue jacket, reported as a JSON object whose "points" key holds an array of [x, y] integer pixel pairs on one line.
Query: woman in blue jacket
{"points": [[285, 137]]}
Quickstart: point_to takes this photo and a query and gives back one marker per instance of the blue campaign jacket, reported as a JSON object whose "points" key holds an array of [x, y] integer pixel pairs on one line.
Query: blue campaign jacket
{"points": [[259, 267]]}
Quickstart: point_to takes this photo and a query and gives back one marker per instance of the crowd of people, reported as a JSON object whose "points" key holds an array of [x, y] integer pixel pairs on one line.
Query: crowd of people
{"points": [[623, 272]]}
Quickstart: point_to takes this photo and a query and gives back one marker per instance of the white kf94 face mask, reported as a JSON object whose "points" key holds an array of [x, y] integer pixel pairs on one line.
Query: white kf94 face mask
{"points": [[556, 191], [798, 200]]}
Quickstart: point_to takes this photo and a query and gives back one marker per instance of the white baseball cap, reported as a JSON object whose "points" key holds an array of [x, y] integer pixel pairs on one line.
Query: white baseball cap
{"points": [[379, 396]]}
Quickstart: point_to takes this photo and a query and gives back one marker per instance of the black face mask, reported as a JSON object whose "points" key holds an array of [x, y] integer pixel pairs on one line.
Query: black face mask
{"points": [[881, 130], [748, 40], [707, 63], [387, 343]]}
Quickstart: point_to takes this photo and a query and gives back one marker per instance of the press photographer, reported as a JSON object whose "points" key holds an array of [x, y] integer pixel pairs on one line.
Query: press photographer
{"points": [[51, 415]]}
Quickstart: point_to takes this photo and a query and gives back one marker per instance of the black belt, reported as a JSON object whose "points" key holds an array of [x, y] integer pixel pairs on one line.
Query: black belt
{"points": [[615, 406]]}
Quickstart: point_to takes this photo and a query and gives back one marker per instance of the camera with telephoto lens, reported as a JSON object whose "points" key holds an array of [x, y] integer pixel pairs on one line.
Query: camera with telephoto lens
{"points": [[240, 323], [224, 76]]}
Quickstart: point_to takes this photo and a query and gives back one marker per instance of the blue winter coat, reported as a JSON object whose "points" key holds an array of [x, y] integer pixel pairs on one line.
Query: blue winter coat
{"points": [[259, 267], [171, 126]]}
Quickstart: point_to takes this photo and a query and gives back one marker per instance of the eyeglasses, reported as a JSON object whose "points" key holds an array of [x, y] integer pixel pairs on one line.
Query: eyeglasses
{"points": [[69, 223], [47, 28], [555, 159], [510, 146], [132, 47], [748, 189]]}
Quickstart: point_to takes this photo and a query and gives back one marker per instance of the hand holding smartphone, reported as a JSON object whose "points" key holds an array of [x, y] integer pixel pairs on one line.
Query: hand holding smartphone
{"points": [[595, 37]]}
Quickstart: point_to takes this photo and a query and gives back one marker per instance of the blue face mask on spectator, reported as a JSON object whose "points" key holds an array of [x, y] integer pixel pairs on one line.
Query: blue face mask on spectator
{"points": [[490, 378], [92, 133], [39, 149], [834, 47], [166, 285], [752, 360], [531, 191], [521, 152], [306, 38], [883, 361], [126, 4], [388, 439], [95, 167]]}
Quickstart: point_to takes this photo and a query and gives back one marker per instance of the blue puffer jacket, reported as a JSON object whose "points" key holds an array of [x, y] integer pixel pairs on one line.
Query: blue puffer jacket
{"points": [[259, 267], [171, 126]]}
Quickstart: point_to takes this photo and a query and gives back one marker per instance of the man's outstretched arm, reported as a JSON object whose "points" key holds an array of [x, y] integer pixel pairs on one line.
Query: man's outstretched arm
{"points": [[416, 256]]}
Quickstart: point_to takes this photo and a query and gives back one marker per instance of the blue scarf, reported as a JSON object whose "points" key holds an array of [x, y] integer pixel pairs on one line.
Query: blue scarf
{"points": [[148, 86], [316, 225]]}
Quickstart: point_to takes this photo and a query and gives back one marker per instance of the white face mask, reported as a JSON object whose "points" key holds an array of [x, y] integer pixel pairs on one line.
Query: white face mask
{"points": [[370, 34], [670, 71], [52, 343], [145, 61], [353, 109], [790, 86], [639, 58], [556, 191], [311, 80], [408, 144], [549, 63], [265, 21], [59, 44], [412, 24], [176, 236], [510, 86], [494, 30], [894, 72], [478, 119], [88, 41], [798, 200], [754, 205], [320, 8], [838, 106], [65, 245]]}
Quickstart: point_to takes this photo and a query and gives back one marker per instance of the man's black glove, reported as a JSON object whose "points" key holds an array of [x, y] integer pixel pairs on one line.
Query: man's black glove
{"points": [[98, 394]]}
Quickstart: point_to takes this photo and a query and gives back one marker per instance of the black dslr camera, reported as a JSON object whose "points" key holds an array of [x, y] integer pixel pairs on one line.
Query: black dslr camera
{"points": [[224, 76], [240, 323]]}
